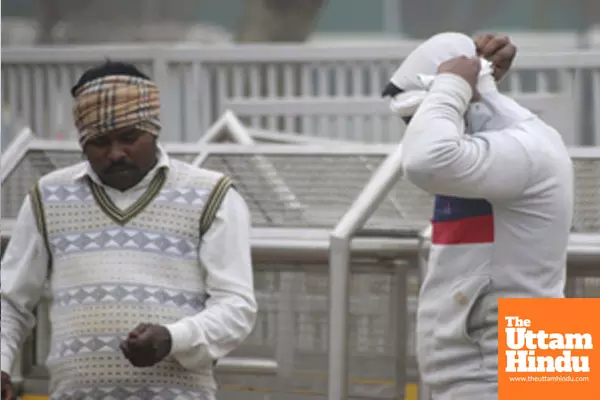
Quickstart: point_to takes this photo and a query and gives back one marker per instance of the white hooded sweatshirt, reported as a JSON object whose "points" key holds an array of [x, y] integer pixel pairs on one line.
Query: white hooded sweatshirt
{"points": [[502, 215]]}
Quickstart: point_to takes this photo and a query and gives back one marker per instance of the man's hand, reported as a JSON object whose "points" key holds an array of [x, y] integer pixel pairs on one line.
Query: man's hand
{"points": [[147, 345], [465, 67], [8, 391], [499, 50]]}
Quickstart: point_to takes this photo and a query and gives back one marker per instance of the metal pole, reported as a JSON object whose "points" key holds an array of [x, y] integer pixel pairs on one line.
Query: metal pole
{"points": [[424, 392], [586, 118], [338, 317], [286, 333], [249, 366], [392, 16], [339, 264], [15, 152], [372, 195], [401, 325]]}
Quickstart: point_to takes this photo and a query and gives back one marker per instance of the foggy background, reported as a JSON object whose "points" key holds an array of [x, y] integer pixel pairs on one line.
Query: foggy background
{"points": [[545, 22], [325, 86]]}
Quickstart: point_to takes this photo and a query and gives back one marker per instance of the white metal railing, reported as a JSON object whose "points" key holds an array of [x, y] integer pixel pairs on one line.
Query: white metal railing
{"points": [[339, 261], [284, 247], [310, 89], [291, 246], [16, 152]]}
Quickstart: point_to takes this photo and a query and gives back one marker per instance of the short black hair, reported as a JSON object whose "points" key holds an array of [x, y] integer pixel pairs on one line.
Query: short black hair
{"points": [[107, 69]]}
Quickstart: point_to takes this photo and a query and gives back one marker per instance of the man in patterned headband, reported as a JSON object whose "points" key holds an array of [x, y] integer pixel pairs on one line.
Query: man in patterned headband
{"points": [[118, 106], [147, 258]]}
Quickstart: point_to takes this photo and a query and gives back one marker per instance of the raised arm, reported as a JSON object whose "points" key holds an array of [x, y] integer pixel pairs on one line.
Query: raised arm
{"points": [[440, 159]]}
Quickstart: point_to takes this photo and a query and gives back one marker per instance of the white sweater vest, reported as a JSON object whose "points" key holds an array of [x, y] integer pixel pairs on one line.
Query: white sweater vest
{"points": [[111, 270]]}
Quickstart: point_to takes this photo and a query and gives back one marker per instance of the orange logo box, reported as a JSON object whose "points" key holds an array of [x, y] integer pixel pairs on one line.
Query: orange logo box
{"points": [[549, 349]]}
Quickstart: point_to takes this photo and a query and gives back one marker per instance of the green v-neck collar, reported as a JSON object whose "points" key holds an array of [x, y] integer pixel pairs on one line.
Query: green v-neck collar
{"points": [[121, 217]]}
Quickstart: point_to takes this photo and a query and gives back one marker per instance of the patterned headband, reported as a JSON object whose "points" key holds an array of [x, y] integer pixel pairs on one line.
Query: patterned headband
{"points": [[115, 102]]}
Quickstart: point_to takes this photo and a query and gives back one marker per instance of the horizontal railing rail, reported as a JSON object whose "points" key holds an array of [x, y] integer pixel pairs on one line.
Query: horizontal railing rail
{"points": [[266, 83]]}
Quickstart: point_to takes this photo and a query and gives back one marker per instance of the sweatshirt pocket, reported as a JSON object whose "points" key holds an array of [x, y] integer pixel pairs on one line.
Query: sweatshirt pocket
{"points": [[446, 349]]}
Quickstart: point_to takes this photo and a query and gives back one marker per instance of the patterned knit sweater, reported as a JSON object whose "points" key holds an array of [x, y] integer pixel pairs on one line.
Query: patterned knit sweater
{"points": [[112, 269]]}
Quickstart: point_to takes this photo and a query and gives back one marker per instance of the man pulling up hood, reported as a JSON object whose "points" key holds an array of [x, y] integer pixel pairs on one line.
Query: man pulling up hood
{"points": [[503, 186]]}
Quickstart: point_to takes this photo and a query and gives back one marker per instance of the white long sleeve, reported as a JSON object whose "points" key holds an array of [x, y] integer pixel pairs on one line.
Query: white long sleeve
{"points": [[24, 271], [439, 158], [231, 308]]}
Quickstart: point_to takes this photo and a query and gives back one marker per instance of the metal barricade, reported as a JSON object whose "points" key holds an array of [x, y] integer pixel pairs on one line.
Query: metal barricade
{"points": [[329, 92], [295, 195], [346, 330]]}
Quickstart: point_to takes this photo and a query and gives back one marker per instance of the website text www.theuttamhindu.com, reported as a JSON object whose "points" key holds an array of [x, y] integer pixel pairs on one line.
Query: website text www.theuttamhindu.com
{"points": [[534, 379]]}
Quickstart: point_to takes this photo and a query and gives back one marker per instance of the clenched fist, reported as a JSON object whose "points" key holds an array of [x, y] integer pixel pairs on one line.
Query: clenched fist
{"points": [[147, 345], [497, 49]]}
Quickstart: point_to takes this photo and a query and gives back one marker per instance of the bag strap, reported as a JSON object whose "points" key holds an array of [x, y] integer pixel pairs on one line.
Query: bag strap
{"points": [[214, 202]]}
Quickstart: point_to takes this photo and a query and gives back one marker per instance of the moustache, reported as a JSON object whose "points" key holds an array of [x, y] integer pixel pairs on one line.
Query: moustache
{"points": [[119, 167]]}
